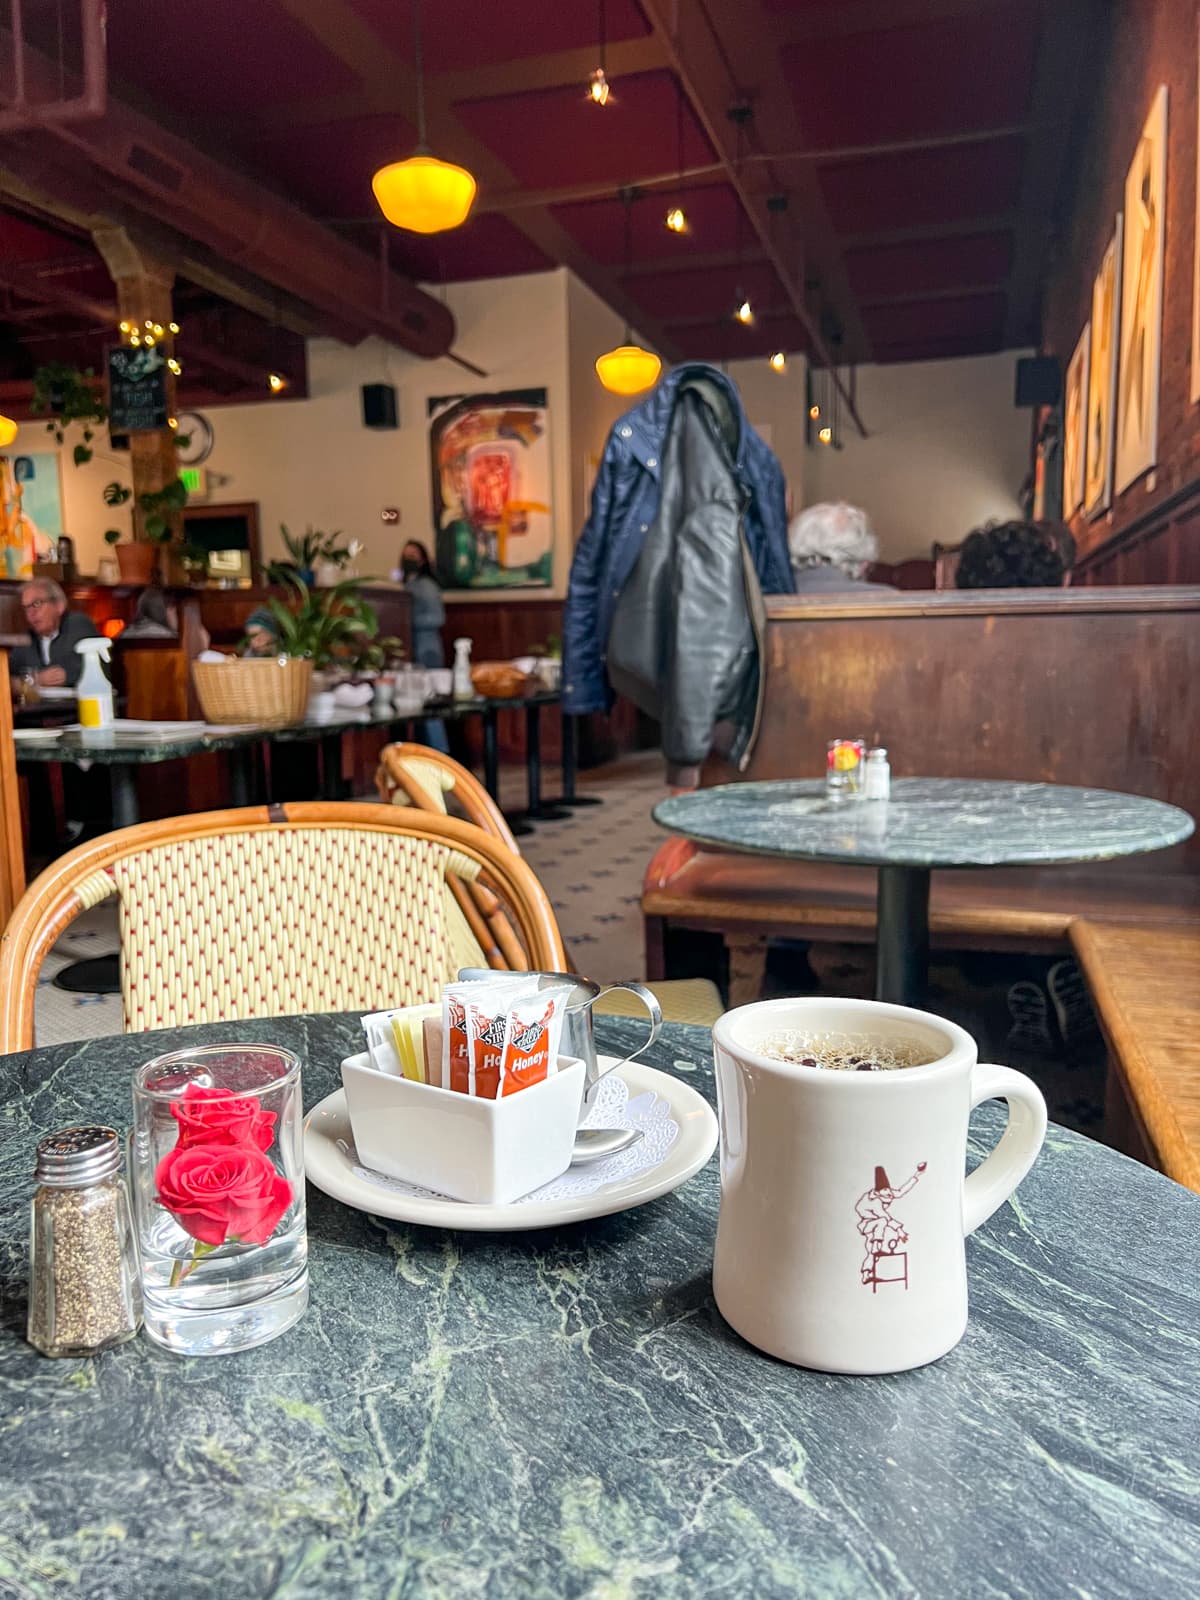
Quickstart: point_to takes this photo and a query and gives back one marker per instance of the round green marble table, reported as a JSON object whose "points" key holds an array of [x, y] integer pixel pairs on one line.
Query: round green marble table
{"points": [[565, 1416], [927, 823]]}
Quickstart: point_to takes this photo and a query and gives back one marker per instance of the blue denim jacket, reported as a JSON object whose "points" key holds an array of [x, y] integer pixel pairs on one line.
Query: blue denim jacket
{"points": [[624, 504]]}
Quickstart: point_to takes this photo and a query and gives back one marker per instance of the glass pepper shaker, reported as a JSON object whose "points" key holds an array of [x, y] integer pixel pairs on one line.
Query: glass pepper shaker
{"points": [[85, 1291]]}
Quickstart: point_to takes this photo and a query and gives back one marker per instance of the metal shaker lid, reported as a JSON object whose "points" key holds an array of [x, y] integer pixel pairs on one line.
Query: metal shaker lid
{"points": [[76, 1156]]}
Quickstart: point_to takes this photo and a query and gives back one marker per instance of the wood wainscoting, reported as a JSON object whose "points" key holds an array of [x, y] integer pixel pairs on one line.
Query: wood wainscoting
{"points": [[1095, 686], [1160, 547]]}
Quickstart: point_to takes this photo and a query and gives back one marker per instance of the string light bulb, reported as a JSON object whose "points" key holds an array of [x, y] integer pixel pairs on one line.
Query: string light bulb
{"points": [[599, 88], [275, 383], [814, 412], [148, 324], [778, 361], [172, 422], [174, 366], [744, 313], [149, 339], [158, 330], [676, 220], [826, 435], [135, 339], [126, 327], [173, 327]]}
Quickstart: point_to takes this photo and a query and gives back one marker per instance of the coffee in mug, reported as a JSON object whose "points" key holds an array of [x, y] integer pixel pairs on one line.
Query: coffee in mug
{"points": [[844, 1207], [845, 1052]]}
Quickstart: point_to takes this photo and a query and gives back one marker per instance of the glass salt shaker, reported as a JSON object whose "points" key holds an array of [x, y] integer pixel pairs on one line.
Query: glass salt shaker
{"points": [[85, 1291]]}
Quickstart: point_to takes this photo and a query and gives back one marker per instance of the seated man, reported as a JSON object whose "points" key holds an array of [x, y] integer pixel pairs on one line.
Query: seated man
{"points": [[832, 547], [53, 634]]}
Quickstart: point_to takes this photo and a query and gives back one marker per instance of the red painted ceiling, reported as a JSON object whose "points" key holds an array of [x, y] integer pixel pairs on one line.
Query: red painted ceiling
{"points": [[899, 134]]}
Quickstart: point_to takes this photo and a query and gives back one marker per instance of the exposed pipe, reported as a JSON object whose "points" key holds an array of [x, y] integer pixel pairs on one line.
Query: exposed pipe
{"points": [[24, 115]]}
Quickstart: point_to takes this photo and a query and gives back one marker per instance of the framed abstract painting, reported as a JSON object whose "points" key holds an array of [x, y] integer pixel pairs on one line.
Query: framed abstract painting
{"points": [[1141, 299], [1075, 401], [1102, 377], [490, 464]]}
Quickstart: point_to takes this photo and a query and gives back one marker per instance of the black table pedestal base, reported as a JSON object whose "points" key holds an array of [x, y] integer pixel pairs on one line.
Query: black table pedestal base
{"points": [[570, 764], [902, 936]]}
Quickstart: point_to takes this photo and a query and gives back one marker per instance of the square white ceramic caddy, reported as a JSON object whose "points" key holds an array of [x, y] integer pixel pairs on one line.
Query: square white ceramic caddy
{"points": [[486, 1152]]}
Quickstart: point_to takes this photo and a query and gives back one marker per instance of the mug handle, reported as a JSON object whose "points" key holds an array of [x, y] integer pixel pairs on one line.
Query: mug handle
{"points": [[995, 1178], [650, 1001]]}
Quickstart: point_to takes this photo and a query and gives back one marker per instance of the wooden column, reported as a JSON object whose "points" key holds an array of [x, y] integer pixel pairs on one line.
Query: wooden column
{"points": [[144, 283]]}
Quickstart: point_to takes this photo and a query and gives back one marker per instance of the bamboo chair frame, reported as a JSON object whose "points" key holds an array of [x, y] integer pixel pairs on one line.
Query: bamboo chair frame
{"points": [[479, 903], [53, 901]]}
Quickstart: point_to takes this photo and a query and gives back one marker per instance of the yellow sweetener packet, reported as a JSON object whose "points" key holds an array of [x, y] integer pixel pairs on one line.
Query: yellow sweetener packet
{"points": [[410, 1042]]}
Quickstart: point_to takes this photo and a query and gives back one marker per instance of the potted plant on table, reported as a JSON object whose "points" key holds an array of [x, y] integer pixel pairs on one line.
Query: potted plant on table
{"points": [[309, 551], [314, 629]]}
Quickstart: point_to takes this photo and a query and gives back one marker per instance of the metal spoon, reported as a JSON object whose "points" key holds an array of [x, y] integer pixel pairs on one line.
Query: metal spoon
{"points": [[594, 1144]]}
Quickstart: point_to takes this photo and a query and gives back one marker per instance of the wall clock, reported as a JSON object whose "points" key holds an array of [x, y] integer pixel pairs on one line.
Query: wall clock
{"points": [[195, 427]]}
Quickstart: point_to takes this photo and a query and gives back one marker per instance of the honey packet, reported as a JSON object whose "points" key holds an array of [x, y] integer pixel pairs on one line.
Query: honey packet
{"points": [[501, 1036]]}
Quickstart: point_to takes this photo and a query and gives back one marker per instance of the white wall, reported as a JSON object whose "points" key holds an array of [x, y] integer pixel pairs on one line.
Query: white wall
{"points": [[774, 403], [312, 461], [592, 328], [947, 450]]}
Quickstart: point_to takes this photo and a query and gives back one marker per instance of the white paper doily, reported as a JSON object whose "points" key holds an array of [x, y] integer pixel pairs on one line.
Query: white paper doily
{"points": [[612, 1108]]}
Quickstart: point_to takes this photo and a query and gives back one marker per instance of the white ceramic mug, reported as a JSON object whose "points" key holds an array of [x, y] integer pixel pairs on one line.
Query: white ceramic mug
{"points": [[844, 1209]]}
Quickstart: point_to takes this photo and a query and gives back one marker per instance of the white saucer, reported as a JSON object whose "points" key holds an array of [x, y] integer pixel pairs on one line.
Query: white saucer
{"points": [[327, 1137], [36, 735]]}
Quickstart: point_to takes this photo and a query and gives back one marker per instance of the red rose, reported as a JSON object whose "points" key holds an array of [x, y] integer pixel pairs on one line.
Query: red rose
{"points": [[215, 1116], [223, 1191]]}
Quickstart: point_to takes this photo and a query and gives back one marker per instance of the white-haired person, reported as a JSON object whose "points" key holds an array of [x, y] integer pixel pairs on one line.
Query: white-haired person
{"points": [[832, 547], [53, 634]]}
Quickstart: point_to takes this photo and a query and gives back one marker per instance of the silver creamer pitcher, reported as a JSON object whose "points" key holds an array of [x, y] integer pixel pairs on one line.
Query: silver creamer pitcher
{"points": [[579, 1035]]}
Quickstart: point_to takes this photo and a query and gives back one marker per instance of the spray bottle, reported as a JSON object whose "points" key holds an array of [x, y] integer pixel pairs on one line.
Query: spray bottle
{"points": [[94, 690]]}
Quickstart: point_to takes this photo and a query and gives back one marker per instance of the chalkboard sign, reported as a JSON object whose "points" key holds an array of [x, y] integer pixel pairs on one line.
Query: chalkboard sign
{"points": [[137, 389]]}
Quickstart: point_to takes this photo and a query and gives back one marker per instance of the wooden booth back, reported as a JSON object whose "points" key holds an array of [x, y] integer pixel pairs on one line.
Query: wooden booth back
{"points": [[1098, 687]]}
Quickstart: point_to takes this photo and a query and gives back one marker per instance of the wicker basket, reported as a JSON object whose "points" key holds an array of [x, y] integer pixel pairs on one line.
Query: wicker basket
{"points": [[271, 691]]}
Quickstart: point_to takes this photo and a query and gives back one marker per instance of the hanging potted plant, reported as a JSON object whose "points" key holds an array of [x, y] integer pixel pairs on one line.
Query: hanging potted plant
{"points": [[70, 396]]}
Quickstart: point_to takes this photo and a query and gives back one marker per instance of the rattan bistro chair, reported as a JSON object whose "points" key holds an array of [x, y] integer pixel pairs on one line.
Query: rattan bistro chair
{"points": [[270, 911]]}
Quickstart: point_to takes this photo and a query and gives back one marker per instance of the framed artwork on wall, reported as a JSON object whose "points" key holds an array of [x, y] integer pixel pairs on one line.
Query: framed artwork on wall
{"points": [[1141, 299], [490, 465], [1075, 402], [1102, 377]]}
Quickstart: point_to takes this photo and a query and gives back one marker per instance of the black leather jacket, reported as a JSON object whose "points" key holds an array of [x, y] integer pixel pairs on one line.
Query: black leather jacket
{"points": [[687, 629]]}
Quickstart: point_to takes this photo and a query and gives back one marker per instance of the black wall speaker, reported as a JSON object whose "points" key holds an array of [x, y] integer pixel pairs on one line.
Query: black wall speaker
{"points": [[379, 406], [1039, 381]]}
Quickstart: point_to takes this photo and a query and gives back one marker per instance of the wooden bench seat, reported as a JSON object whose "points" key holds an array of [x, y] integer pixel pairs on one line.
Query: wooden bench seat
{"points": [[751, 899], [1145, 985]]}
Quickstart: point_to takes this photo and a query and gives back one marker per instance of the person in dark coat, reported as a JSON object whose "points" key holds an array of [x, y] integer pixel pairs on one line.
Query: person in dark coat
{"points": [[54, 632]]}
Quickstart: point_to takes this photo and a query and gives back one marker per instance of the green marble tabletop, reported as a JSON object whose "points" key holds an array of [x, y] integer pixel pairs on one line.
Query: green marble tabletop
{"points": [[564, 1414], [928, 822]]}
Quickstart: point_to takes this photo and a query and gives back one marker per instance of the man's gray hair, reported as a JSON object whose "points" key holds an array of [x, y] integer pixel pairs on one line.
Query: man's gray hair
{"points": [[48, 589], [833, 535]]}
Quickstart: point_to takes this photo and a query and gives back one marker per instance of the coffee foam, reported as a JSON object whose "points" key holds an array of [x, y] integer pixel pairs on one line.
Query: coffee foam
{"points": [[844, 1052]]}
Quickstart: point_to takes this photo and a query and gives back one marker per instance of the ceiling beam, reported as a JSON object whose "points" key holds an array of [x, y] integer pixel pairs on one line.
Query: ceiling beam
{"points": [[245, 222], [388, 76], [717, 52], [931, 232], [845, 17], [1059, 77]]}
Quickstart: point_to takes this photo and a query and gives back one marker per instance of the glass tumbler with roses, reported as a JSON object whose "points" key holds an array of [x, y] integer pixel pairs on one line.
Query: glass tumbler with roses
{"points": [[217, 1167]]}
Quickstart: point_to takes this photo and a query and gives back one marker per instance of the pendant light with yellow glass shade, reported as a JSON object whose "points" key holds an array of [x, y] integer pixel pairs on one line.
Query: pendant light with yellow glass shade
{"points": [[628, 369], [423, 194], [8, 432]]}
